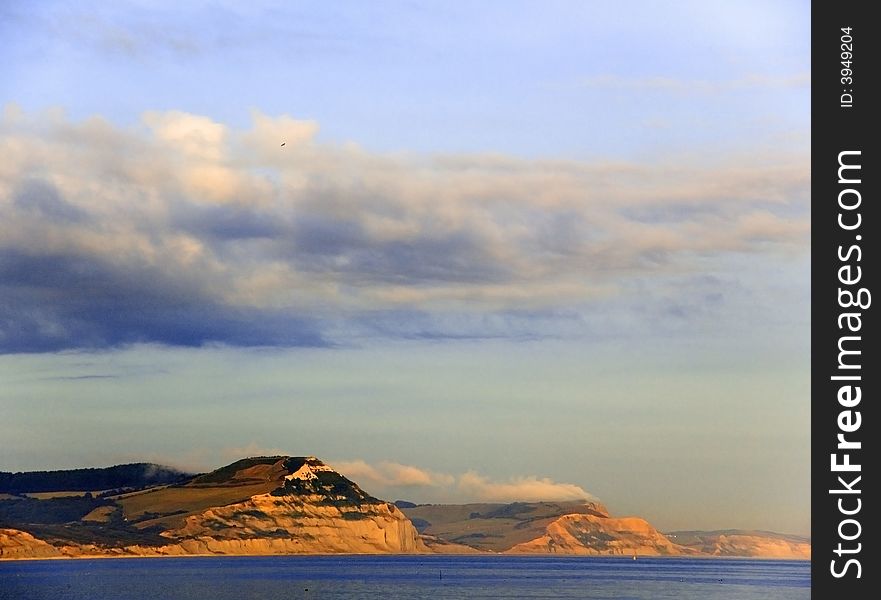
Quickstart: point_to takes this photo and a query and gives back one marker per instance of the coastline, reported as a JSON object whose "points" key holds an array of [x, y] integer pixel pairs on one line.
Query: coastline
{"points": [[423, 554]]}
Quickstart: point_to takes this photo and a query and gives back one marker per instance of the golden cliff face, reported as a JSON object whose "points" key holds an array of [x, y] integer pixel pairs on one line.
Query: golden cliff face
{"points": [[268, 524], [259, 506], [593, 535], [312, 509], [19, 544]]}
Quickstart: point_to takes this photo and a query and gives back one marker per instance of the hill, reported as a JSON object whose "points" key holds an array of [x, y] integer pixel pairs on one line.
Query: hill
{"points": [[300, 505], [135, 475], [261, 505], [541, 528]]}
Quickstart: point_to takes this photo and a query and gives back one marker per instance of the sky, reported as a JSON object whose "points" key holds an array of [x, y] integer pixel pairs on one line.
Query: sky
{"points": [[461, 251]]}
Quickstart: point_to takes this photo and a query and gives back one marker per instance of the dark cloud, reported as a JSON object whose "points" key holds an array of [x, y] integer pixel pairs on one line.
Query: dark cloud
{"points": [[342, 246], [319, 236], [515, 325], [39, 198], [52, 303], [228, 222]]}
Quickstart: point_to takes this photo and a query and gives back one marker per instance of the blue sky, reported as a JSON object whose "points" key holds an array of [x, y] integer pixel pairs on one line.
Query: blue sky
{"points": [[514, 248]]}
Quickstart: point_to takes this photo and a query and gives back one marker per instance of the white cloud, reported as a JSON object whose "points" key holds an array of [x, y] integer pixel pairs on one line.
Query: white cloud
{"points": [[387, 478], [522, 489], [257, 234], [392, 474]]}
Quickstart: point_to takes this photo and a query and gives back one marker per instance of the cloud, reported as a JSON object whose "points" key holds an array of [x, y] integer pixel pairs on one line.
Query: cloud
{"points": [[57, 301], [391, 474], [202, 459], [389, 478], [185, 231], [522, 489]]}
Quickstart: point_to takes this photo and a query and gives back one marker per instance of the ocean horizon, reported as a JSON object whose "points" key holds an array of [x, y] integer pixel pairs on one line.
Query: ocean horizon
{"points": [[350, 577]]}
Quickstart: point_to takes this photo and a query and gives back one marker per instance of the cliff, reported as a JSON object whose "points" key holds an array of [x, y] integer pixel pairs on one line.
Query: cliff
{"points": [[263, 505], [589, 534], [19, 544], [745, 543], [542, 528], [299, 505], [315, 510]]}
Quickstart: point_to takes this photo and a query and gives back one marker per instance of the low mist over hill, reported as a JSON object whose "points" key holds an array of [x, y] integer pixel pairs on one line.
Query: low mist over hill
{"points": [[135, 475]]}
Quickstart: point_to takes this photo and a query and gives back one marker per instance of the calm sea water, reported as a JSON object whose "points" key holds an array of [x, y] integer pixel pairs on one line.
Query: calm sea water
{"points": [[378, 577]]}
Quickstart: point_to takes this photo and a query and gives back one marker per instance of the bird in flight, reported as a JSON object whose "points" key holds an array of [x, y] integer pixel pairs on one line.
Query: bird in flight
{"points": [[283, 143]]}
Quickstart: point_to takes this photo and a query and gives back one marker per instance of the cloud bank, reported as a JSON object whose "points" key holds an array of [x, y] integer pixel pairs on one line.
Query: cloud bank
{"points": [[467, 487], [183, 231], [392, 474]]}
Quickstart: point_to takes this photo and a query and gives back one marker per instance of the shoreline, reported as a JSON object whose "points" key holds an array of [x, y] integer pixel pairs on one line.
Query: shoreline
{"points": [[421, 554]]}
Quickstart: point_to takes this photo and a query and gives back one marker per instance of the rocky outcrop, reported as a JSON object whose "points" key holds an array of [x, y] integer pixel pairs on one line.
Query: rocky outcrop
{"points": [[20, 544], [593, 535]]}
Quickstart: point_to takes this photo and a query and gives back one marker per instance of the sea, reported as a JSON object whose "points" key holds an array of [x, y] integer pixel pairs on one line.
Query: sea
{"points": [[419, 576]]}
